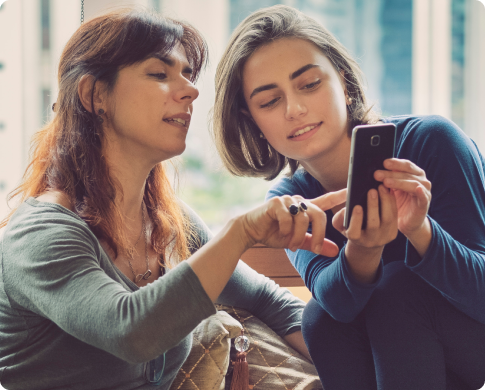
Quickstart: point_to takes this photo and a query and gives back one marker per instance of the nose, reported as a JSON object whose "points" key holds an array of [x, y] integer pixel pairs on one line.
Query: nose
{"points": [[187, 92], [295, 107]]}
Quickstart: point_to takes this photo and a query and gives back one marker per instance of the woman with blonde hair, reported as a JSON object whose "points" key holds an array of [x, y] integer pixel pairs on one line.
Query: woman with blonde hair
{"points": [[104, 272], [402, 305]]}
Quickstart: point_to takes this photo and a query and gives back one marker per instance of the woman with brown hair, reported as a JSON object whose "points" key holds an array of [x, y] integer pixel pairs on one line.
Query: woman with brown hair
{"points": [[94, 293], [402, 306]]}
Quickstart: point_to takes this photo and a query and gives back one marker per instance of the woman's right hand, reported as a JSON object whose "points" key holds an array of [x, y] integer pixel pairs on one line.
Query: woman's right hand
{"points": [[273, 225], [364, 247]]}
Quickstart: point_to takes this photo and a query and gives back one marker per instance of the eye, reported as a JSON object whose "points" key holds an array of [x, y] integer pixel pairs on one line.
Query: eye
{"points": [[271, 103], [312, 85], [159, 76]]}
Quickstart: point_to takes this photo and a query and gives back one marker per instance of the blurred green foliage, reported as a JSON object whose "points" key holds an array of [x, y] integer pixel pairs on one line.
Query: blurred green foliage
{"points": [[215, 194]]}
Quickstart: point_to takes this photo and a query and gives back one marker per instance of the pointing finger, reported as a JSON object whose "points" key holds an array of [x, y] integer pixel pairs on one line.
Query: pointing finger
{"points": [[331, 199]]}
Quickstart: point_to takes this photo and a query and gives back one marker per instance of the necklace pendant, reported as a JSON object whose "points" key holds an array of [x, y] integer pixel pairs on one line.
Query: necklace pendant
{"points": [[138, 278], [144, 276]]}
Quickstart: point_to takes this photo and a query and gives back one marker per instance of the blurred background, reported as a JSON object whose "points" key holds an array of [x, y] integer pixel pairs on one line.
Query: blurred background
{"points": [[419, 57]]}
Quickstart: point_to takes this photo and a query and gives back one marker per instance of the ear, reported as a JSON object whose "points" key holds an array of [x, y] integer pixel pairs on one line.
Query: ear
{"points": [[247, 113], [85, 92]]}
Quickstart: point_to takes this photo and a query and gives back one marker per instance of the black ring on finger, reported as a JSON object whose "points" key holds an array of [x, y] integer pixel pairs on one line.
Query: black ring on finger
{"points": [[294, 209], [302, 206]]}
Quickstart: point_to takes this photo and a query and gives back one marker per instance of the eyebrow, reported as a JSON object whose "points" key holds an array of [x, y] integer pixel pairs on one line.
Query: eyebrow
{"points": [[262, 88], [302, 70], [293, 76], [171, 62]]}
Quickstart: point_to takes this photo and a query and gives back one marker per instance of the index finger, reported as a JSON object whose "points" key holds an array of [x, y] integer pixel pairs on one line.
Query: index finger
{"points": [[330, 200], [396, 164]]}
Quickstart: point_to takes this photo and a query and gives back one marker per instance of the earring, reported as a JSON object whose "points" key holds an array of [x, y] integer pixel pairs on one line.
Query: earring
{"points": [[99, 118], [349, 100], [261, 135]]}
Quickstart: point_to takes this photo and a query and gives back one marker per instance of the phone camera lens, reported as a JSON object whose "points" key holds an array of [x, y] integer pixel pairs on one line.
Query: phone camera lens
{"points": [[375, 140]]}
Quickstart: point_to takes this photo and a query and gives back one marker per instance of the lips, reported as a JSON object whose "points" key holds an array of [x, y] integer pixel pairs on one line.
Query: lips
{"points": [[304, 129], [181, 119]]}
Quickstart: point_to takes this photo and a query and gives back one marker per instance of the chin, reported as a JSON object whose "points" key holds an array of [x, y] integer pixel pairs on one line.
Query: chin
{"points": [[164, 154]]}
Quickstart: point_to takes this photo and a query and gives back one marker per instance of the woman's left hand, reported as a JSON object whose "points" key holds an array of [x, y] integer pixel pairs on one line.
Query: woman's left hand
{"points": [[412, 191]]}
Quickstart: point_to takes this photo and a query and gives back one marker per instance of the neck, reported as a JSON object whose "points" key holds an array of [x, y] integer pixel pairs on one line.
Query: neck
{"points": [[130, 172], [331, 168]]}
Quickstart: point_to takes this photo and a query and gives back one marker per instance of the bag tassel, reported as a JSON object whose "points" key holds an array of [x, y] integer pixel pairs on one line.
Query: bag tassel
{"points": [[240, 374]]}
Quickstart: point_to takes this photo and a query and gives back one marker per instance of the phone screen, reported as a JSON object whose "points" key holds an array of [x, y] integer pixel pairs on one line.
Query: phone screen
{"points": [[370, 146]]}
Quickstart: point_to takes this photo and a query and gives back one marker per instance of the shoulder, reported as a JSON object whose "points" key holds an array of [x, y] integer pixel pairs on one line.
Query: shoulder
{"points": [[37, 225], [425, 128], [432, 138], [301, 183], [56, 197]]}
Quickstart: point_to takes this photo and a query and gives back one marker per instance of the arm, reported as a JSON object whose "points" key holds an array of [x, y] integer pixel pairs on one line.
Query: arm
{"points": [[249, 290], [450, 253], [298, 344], [52, 267], [277, 307]]}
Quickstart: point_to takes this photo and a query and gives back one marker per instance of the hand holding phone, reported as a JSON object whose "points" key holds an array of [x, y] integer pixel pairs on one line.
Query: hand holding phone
{"points": [[370, 146]]}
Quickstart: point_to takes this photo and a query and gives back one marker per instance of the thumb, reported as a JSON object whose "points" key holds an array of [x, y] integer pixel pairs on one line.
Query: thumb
{"points": [[338, 220]]}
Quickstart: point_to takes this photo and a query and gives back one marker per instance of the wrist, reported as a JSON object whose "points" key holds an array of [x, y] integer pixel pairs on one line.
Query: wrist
{"points": [[418, 231], [420, 238], [363, 262], [363, 252], [238, 225]]}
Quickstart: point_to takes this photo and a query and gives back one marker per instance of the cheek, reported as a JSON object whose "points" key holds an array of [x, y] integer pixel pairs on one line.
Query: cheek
{"points": [[268, 121], [136, 95]]}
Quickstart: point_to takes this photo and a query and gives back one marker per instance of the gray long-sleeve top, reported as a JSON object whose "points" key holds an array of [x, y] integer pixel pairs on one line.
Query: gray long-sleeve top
{"points": [[70, 319]]}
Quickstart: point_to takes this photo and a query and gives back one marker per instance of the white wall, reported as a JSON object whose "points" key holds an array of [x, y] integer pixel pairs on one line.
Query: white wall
{"points": [[66, 17], [95, 7], [432, 57], [432, 63], [27, 71], [475, 73], [18, 89]]}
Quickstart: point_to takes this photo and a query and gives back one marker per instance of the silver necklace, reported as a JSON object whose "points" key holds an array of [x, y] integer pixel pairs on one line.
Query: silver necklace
{"points": [[147, 273]]}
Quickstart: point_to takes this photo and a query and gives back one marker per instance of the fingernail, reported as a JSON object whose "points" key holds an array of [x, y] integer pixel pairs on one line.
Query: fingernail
{"points": [[318, 248], [373, 194]]}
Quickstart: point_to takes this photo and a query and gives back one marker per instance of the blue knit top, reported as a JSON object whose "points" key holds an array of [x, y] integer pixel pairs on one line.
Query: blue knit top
{"points": [[454, 263]]}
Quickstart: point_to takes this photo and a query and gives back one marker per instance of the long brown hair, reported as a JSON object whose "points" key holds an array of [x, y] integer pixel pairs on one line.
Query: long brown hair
{"points": [[236, 135], [67, 152]]}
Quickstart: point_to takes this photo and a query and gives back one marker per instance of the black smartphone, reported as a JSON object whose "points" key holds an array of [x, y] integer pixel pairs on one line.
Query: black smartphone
{"points": [[370, 146]]}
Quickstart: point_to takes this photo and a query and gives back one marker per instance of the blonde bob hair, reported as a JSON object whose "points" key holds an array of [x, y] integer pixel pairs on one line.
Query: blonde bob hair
{"points": [[237, 138]]}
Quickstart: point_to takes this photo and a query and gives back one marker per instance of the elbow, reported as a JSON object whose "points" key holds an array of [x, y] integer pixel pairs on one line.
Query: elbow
{"points": [[134, 348]]}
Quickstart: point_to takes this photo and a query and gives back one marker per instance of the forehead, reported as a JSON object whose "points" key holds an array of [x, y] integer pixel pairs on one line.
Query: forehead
{"points": [[281, 58], [177, 56]]}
